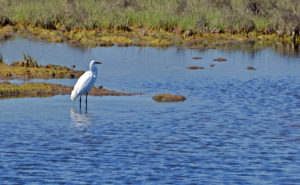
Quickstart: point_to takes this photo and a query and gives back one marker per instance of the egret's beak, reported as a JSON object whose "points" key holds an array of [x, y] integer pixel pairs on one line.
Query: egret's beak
{"points": [[98, 63]]}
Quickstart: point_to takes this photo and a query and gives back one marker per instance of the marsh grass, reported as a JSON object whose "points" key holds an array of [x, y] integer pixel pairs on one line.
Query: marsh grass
{"points": [[210, 16]]}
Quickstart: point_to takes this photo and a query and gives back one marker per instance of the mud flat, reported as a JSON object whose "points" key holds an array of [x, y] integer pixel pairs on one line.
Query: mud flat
{"points": [[10, 90]]}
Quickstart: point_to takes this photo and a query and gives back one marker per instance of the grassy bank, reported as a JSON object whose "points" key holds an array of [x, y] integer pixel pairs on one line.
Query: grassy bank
{"points": [[281, 17]]}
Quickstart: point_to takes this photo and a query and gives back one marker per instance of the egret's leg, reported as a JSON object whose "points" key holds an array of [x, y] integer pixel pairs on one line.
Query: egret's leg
{"points": [[86, 99], [86, 102], [80, 102]]}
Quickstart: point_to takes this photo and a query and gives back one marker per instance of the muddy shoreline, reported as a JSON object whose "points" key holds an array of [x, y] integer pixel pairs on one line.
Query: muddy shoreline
{"points": [[134, 36]]}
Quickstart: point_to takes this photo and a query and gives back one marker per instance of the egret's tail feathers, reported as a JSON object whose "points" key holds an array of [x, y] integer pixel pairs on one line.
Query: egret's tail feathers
{"points": [[73, 95]]}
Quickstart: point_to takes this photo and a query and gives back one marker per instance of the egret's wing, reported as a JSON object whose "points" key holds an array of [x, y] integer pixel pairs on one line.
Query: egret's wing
{"points": [[83, 84]]}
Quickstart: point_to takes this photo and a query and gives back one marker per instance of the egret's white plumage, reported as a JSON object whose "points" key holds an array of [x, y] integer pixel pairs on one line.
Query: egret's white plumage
{"points": [[86, 82]]}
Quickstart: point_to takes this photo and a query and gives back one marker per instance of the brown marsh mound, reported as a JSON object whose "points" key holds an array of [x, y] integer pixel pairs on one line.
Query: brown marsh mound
{"points": [[195, 67], [29, 68], [251, 68], [220, 59], [168, 98], [10, 90]]}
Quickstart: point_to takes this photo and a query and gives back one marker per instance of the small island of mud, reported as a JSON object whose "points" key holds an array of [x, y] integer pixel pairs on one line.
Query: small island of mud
{"points": [[28, 68]]}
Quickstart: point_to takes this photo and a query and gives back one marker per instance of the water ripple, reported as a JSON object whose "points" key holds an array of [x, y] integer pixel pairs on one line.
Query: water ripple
{"points": [[236, 126]]}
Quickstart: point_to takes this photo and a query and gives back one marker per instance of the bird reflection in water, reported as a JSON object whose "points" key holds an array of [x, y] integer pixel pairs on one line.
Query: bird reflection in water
{"points": [[80, 120]]}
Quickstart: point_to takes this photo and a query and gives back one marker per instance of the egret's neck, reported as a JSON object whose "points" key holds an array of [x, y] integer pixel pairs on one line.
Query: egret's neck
{"points": [[94, 70]]}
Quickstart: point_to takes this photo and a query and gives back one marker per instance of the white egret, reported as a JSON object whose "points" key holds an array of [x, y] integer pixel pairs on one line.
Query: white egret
{"points": [[85, 83]]}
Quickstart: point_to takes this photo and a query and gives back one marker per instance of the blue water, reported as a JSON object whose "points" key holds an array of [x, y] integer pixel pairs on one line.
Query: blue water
{"points": [[236, 126]]}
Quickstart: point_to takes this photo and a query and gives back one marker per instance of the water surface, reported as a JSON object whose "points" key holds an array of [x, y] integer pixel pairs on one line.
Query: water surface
{"points": [[236, 126]]}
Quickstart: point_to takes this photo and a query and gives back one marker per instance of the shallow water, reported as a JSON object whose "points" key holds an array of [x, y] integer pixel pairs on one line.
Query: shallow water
{"points": [[236, 127]]}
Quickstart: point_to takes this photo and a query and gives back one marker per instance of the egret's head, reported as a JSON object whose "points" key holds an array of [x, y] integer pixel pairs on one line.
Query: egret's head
{"points": [[96, 62], [93, 63]]}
